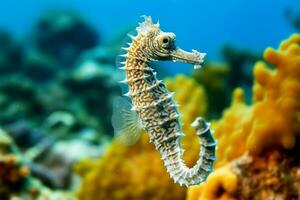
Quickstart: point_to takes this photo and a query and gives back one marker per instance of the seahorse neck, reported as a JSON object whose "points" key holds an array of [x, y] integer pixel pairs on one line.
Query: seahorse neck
{"points": [[136, 57]]}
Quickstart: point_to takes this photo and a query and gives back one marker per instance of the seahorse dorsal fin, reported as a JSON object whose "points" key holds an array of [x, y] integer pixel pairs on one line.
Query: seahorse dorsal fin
{"points": [[126, 123]]}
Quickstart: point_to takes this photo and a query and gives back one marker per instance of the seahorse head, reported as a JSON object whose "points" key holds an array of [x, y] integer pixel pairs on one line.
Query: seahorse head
{"points": [[159, 45]]}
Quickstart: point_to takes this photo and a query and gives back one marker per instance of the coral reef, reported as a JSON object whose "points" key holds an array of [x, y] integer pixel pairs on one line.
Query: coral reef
{"points": [[230, 129], [13, 174], [64, 35], [221, 185], [262, 136], [11, 54], [52, 99], [56, 92], [220, 79], [272, 176], [14, 106], [95, 84], [126, 173], [137, 172], [280, 175], [38, 66], [16, 181]]}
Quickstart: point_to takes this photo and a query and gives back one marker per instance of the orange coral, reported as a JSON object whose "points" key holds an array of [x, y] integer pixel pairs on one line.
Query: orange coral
{"points": [[137, 172], [220, 185], [271, 176], [13, 174], [271, 122], [276, 96], [134, 172], [15, 180], [230, 129]]}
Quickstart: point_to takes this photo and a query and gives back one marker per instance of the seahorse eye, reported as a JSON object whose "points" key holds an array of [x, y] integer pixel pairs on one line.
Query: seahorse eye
{"points": [[165, 40]]}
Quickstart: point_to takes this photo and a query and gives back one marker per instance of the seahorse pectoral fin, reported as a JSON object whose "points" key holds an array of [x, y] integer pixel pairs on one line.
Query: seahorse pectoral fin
{"points": [[126, 123]]}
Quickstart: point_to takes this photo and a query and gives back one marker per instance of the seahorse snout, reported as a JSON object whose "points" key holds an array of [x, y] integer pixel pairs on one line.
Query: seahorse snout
{"points": [[195, 58]]}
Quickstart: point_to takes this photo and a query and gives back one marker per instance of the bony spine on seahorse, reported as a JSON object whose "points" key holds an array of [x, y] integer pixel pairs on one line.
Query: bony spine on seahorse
{"points": [[153, 108]]}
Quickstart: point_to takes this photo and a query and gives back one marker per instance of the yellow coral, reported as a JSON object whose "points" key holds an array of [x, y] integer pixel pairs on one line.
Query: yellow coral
{"points": [[137, 172], [276, 97], [229, 130], [271, 122], [220, 186]]}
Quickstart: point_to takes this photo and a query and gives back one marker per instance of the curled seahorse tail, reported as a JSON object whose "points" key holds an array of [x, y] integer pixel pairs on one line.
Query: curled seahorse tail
{"points": [[172, 157]]}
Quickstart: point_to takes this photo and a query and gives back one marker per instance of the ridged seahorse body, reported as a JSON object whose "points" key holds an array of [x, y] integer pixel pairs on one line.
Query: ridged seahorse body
{"points": [[156, 110]]}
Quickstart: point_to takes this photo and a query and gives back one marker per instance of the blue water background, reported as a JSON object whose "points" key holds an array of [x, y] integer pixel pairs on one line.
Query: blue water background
{"points": [[201, 25]]}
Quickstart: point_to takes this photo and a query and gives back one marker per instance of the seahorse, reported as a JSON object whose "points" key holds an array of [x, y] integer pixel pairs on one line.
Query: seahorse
{"points": [[153, 108]]}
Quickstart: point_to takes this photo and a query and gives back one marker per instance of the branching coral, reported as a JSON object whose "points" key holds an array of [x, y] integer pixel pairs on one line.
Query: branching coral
{"points": [[271, 124], [137, 172]]}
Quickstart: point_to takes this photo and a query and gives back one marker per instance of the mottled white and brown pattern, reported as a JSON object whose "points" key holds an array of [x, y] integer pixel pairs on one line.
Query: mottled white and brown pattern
{"points": [[155, 105]]}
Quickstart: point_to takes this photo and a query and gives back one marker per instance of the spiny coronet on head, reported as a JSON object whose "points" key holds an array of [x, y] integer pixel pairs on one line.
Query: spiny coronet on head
{"points": [[158, 45]]}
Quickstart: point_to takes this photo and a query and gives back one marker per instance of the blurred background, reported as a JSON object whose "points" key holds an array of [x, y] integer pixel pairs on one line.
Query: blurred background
{"points": [[58, 76], [242, 23]]}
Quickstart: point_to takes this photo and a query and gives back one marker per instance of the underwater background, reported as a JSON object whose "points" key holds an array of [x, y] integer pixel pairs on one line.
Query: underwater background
{"points": [[59, 77]]}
